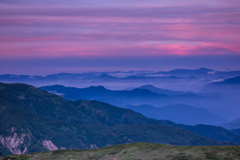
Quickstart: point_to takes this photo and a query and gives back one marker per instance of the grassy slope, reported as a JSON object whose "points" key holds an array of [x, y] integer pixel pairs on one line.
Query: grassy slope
{"points": [[145, 151]]}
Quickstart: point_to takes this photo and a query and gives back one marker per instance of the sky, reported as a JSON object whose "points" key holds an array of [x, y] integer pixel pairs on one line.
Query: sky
{"points": [[53, 36]]}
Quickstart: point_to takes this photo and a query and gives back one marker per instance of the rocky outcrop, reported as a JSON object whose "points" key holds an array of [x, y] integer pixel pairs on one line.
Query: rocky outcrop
{"points": [[18, 144], [49, 145], [13, 143]]}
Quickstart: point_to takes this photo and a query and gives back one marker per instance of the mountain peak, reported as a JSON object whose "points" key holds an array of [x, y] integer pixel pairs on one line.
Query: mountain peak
{"points": [[97, 87], [191, 71], [147, 86]]}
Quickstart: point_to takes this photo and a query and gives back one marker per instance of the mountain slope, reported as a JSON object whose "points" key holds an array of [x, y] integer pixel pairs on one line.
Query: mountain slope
{"points": [[228, 86], [98, 92], [213, 103], [160, 91], [232, 125], [214, 132], [236, 131], [33, 120], [190, 71], [217, 133], [106, 114], [29, 98], [179, 113], [31, 132]]}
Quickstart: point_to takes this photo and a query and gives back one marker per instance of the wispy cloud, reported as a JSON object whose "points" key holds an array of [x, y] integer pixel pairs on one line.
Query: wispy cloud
{"points": [[44, 28]]}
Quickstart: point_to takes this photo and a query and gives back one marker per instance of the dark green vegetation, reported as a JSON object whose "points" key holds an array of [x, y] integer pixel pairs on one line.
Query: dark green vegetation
{"points": [[135, 151], [33, 120]]}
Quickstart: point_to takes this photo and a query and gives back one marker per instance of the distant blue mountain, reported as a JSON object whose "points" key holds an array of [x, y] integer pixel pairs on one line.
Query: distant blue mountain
{"points": [[150, 77], [179, 113], [234, 80], [201, 72], [232, 125], [209, 131], [189, 71], [161, 91], [228, 86], [212, 103], [37, 116], [106, 76], [236, 131], [178, 79], [113, 102], [99, 92]]}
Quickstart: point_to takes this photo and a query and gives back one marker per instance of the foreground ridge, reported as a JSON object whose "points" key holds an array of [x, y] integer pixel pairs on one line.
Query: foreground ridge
{"points": [[138, 151]]}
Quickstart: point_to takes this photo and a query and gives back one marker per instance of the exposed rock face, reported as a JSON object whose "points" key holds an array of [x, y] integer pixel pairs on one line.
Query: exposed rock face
{"points": [[93, 146], [13, 143], [19, 144], [25, 150], [62, 148], [49, 145]]}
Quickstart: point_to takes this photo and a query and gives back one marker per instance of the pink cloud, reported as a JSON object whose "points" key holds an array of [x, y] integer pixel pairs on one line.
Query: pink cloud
{"points": [[179, 29], [88, 54]]}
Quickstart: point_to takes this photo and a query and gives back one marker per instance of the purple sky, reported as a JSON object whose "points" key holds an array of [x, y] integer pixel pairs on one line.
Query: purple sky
{"points": [[51, 36]]}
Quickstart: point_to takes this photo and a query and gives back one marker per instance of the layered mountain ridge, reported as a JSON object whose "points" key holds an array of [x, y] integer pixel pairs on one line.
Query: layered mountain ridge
{"points": [[150, 96], [33, 120]]}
